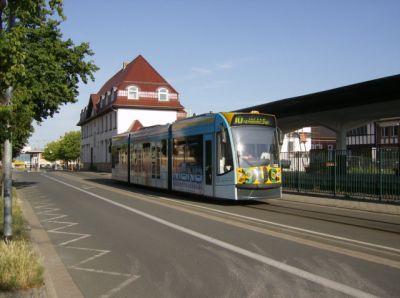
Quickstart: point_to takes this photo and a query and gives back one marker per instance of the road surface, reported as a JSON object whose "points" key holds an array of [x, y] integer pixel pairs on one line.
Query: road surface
{"points": [[118, 240]]}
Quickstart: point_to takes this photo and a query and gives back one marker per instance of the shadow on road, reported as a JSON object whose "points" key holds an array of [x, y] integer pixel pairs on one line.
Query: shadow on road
{"points": [[151, 192], [23, 184]]}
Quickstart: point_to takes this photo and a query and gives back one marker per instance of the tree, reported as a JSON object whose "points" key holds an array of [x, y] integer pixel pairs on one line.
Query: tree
{"points": [[51, 151], [39, 72], [66, 148], [70, 146]]}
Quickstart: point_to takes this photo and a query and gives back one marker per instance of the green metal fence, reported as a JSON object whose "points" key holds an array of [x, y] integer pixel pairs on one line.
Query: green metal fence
{"points": [[366, 174]]}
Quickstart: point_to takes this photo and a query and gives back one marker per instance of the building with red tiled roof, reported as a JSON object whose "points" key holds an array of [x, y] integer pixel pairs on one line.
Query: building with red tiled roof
{"points": [[136, 96]]}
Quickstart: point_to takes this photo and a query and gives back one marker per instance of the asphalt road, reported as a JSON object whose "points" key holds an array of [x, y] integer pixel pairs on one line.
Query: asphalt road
{"points": [[120, 241]]}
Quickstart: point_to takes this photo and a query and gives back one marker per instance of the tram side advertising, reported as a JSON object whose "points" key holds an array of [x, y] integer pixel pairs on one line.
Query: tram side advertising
{"points": [[226, 155]]}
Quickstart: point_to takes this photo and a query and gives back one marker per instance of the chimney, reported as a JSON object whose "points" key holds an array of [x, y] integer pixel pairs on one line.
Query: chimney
{"points": [[124, 64]]}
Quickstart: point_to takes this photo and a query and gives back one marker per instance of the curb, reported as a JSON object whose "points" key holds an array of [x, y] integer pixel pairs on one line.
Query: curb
{"points": [[58, 281], [31, 293], [386, 209]]}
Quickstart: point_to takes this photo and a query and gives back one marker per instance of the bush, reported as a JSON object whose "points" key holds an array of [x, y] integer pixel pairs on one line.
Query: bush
{"points": [[20, 267]]}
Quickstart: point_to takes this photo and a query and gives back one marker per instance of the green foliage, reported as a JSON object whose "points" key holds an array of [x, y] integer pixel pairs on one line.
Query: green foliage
{"points": [[67, 148], [42, 68], [51, 151], [70, 146]]}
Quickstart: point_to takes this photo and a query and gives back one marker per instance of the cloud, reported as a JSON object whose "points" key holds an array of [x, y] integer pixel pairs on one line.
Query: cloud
{"points": [[211, 85], [202, 71], [226, 65]]}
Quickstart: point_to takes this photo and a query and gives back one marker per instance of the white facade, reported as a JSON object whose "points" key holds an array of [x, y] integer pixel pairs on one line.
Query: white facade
{"points": [[296, 141], [97, 133], [146, 117], [96, 138], [295, 149]]}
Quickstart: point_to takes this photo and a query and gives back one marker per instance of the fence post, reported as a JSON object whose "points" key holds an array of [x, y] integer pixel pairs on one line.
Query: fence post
{"points": [[380, 174], [296, 156], [334, 173]]}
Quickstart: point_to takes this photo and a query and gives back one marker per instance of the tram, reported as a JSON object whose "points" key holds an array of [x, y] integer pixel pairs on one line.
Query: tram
{"points": [[224, 155]]}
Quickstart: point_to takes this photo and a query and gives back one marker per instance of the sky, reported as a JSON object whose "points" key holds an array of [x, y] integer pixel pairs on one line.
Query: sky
{"points": [[222, 55]]}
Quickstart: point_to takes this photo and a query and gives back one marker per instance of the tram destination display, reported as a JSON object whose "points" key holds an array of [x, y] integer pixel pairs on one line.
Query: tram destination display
{"points": [[253, 119]]}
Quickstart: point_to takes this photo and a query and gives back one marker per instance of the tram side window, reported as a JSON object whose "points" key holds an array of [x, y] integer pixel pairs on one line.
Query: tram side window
{"points": [[188, 155], [146, 161], [195, 151], [179, 154], [163, 153], [133, 158], [224, 152], [153, 162], [164, 148], [138, 167], [158, 161], [115, 157], [123, 155]]}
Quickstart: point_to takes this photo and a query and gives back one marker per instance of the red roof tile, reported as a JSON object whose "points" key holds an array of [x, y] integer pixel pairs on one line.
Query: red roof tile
{"points": [[138, 72], [135, 126]]}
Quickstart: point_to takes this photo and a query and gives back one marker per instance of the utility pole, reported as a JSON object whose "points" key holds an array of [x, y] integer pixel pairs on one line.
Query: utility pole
{"points": [[7, 184], [7, 187]]}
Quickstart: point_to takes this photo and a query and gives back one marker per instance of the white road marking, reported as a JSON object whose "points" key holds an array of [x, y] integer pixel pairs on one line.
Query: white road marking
{"points": [[101, 252], [362, 243], [287, 226], [260, 258], [99, 271], [120, 287], [46, 210], [88, 186]]}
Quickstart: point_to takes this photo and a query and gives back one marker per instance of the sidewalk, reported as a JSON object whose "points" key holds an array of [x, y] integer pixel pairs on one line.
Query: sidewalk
{"points": [[370, 206]]}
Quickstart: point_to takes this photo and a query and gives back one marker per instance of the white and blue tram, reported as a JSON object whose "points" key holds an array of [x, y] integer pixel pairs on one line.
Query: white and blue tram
{"points": [[224, 155]]}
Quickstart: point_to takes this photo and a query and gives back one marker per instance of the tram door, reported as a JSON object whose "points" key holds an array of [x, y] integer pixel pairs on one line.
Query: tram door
{"points": [[208, 177]]}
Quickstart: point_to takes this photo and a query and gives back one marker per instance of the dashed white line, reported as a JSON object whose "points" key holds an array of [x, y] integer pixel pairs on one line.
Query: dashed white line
{"points": [[120, 287], [46, 210], [260, 258], [286, 226]]}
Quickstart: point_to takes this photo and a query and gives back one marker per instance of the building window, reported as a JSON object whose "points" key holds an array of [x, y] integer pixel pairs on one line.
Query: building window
{"points": [[133, 92], [113, 93], [163, 94], [108, 97], [290, 146], [385, 131]]}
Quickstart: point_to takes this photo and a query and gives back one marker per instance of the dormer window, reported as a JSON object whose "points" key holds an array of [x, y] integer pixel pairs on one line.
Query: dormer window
{"points": [[113, 93], [108, 99], [163, 94], [133, 92]]}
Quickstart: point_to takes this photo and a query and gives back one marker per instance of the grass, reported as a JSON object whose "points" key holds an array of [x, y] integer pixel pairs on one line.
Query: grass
{"points": [[20, 267]]}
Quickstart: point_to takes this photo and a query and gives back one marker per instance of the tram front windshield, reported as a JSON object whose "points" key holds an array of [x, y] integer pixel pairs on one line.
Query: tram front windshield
{"points": [[256, 146]]}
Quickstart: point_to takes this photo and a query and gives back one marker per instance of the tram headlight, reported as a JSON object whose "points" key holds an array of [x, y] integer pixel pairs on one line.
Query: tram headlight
{"points": [[241, 176], [274, 175]]}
